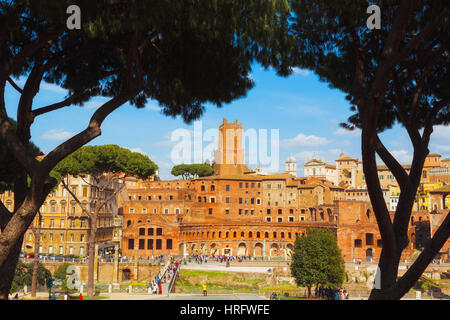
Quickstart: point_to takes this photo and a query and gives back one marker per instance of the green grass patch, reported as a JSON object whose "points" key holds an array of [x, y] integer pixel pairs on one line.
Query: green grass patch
{"points": [[198, 273], [424, 284]]}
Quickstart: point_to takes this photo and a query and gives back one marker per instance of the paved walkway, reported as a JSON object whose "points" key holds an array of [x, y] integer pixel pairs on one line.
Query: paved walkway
{"points": [[220, 267]]}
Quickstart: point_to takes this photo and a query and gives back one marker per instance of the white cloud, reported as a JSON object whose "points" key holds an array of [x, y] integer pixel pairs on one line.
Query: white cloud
{"points": [[305, 156], [153, 106], [442, 147], [302, 140], [52, 87], [345, 132], [172, 138], [57, 134], [441, 132], [402, 156], [93, 104], [440, 140], [303, 72], [328, 156]]}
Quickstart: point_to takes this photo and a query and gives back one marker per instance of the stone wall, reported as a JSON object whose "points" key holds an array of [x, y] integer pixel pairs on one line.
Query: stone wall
{"points": [[142, 272]]}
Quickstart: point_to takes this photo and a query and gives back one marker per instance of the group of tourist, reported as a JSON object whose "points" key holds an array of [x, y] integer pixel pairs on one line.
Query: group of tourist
{"points": [[157, 282], [156, 286], [220, 258], [331, 294], [172, 267]]}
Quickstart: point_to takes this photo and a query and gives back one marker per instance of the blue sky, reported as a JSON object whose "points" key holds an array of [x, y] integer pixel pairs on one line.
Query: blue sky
{"points": [[305, 111]]}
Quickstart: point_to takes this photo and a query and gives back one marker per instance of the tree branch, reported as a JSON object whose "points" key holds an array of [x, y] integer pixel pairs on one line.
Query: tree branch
{"points": [[428, 129], [422, 36], [92, 131], [8, 133], [424, 259], [411, 128], [14, 85], [5, 216], [432, 62], [31, 48], [68, 101], [75, 198], [7, 22], [394, 166]]}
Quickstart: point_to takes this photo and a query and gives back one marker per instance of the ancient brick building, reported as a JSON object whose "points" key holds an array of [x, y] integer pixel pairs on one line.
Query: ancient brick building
{"points": [[243, 213]]}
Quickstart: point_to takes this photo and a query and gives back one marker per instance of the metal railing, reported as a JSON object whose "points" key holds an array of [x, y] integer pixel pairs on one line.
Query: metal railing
{"points": [[174, 277]]}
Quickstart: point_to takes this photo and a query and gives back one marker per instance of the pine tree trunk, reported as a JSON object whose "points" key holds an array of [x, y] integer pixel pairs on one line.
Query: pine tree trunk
{"points": [[8, 269], [36, 260], [91, 261]]}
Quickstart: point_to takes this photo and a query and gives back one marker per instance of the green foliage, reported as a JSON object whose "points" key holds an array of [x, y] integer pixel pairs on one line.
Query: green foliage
{"points": [[9, 166], [184, 53], [192, 170], [330, 32], [96, 160], [424, 284], [24, 275], [317, 260], [61, 272]]}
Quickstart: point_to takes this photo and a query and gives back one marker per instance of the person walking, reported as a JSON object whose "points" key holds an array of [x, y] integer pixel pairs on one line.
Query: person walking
{"points": [[159, 285], [205, 292]]}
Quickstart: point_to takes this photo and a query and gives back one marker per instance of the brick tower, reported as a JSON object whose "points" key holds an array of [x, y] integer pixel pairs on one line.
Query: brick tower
{"points": [[229, 156]]}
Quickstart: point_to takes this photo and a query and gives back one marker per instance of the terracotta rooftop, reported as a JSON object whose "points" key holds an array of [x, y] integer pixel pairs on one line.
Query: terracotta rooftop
{"points": [[249, 177], [383, 168], [279, 176], [346, 158], [314, 160], [444, 189]]}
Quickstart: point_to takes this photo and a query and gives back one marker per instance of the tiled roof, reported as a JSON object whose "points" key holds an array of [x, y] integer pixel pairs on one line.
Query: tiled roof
{"points": [[444, 189]]}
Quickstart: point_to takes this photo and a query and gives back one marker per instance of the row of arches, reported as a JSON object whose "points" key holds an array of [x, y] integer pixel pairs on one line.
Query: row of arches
{"points": [[242, 248], [322, 214], [239, 234]]}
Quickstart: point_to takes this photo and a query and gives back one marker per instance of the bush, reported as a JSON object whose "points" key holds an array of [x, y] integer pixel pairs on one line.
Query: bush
{"points": [[24, 275]]}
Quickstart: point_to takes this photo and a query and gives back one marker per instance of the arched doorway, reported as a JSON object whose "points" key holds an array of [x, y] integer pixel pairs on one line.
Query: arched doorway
{"points": [[330, 215], [312, 212], [258, 250], [368, 214], [273, 250], [289, 249], [126, 275], [242, 249], [213, 250], [369, 255]]}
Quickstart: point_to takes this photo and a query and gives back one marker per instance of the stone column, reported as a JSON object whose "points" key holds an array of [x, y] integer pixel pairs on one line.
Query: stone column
{"points": [[116, 264], [136, 265], [96, 263], [185, 250], [264, 249]]}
